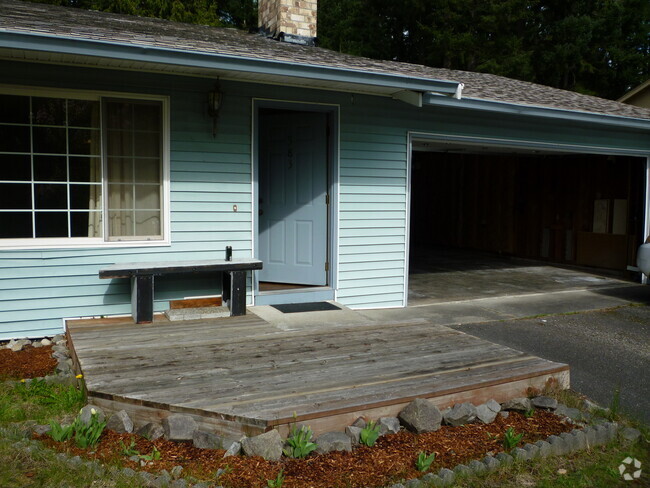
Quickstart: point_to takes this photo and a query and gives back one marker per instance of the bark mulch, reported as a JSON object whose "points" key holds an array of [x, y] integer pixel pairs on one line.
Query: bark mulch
{"points": [[31, 362], [392, 458]]}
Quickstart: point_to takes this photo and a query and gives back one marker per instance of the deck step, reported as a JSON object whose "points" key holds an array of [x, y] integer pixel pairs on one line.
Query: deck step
{"points": [[200, 313]]}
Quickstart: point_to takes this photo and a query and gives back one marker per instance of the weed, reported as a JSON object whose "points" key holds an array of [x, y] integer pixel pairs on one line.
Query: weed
{"points": [[423, 462], [529, 413], [299, 440], [615, 406], [129, 450], [511, 439], [153, 456], [277, 482], [369, 434]]}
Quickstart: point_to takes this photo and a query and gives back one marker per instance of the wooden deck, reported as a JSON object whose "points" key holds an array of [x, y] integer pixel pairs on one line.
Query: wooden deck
{"points": [[243, 376]]}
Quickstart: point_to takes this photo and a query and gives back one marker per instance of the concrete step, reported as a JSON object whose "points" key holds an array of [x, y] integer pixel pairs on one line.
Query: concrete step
{"points": [[197, 313]]}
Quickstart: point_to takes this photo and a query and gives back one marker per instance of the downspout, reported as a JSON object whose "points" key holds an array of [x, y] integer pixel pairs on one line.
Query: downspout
{"points": [[459, 91]]}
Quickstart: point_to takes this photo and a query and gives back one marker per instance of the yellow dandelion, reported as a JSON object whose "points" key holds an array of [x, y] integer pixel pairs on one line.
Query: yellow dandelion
{"points": [[23, 380], [79, 376]]}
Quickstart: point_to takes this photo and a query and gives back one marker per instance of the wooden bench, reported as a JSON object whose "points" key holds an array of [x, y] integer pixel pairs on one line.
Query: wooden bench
{"points": [[142, 281]]}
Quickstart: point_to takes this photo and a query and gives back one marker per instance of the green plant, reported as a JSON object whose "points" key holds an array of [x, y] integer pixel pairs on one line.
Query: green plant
{"points": [[299, 441], [153, 456], [369, 434], [423, 462], [129, 450], [60, 433], [529, 413], [88, 434], [615, 406], [511, 439], [277, 482]]}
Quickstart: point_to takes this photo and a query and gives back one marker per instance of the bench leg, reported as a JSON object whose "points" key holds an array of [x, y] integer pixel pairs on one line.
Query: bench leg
{"points": [[142, 299], [237, 293]]}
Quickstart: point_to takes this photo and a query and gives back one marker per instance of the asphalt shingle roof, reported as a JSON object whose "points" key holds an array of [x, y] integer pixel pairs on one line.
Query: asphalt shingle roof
{"points": [[26, 17]]}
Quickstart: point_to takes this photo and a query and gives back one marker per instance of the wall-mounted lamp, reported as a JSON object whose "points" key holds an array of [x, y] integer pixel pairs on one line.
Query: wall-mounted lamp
{"points": [[214, 104]]}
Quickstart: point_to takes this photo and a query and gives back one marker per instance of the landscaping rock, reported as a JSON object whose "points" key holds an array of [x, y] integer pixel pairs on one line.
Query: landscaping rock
{"points": [[630, 435], [519, 454], [580, 439], [532, 450], [571, 441], [571, 413], [487, 412], [477, 467], [545, 449], [179, 427], [207, 440], [413, 484], [521, 404], [267, 445], [360, 422], [462, 470], [180, 483], [388, 425], [162, 481], [37, 344], [353, 433], [46, 342], [447, 475], [57, 338], [490, 463], [151, 431], [589, 405], [558, 445], [504, 458], [176, 472], [544, 402], [88, 411], [233, 450], [504, 415], [333, 441], [120, 422], [460, 414], [18, 345], [421, 416], [42, 429]]}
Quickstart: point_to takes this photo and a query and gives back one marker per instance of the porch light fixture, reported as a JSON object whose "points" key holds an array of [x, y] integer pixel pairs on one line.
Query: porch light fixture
{"points": [[214, 104]]}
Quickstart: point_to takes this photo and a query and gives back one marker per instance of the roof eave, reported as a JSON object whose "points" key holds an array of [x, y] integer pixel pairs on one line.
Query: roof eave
{"points": [[537, 111], [177, 57]]}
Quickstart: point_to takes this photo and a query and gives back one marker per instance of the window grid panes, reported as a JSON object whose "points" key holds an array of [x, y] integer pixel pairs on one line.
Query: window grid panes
{"points": [[57, 181]]}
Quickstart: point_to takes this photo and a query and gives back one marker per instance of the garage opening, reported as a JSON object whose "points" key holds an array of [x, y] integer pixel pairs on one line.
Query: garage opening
{"points": [[493, 221]]}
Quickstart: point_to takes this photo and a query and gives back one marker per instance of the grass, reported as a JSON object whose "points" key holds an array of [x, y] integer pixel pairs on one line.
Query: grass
{"points": [[37, 401]]}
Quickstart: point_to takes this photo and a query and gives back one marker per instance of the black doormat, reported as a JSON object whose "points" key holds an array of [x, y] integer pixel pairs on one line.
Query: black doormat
{"points": [[305, 307]]}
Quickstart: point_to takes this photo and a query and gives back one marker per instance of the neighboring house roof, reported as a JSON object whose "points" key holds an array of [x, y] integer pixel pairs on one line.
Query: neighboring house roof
{"points": [[114, 36], [641, 91]]}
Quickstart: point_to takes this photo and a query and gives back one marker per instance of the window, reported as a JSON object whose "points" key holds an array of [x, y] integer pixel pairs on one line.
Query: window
{"points": [[78, 170]]}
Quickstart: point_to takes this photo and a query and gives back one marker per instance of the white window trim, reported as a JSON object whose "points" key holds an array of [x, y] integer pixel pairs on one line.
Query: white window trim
{"points": [[101, 242]]}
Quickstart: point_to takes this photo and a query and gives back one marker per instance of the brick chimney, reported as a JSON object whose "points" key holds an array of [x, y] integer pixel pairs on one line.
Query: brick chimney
{"points": [[289, 20]]}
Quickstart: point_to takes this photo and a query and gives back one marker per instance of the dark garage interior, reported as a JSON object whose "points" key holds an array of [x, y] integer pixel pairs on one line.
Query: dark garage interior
{"points": [[570, 209]]}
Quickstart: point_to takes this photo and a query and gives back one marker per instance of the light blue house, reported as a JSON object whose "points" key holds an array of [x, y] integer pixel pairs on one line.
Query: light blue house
{"points": [[132, 140]]}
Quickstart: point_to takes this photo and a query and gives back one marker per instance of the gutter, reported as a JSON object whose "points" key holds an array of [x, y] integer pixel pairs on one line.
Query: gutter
{"points": [[432, 99], [179, 57]]}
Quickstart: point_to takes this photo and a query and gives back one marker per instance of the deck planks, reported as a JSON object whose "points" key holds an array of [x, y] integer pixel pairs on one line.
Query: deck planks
{"points": [[239, 372]]}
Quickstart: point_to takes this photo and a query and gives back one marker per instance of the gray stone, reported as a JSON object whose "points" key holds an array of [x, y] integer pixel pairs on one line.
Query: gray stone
{"points": [[333, 441], [490, 463], [388, 425], [447, 475], [532, 450], [360, 422], [179, 427], [521, 404], [267, 445], [421, 416], [504, 415], [397, 485], [580, 439], [207, 440], [37, 344], [88, 411], [63, 368], [519, 454], [592, 439], [151, 431], [61, 349], [433, 480], [571, 413], [162, 480], [204, 484], [602, 435], [477, 467], [176, 472], [462, 470], [589, 405], [57, 338], [135, 458], [233, 450], [544, 402], [413, 484], [485, 414], [504, 458], [571, 441], [128, 472], [18, 345], [180, 483], [46, 342], [120, 422], [558, 445], [460, 414], [42, 429], [353, 433], [67, 379], [629, 434], [544, 449]]}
